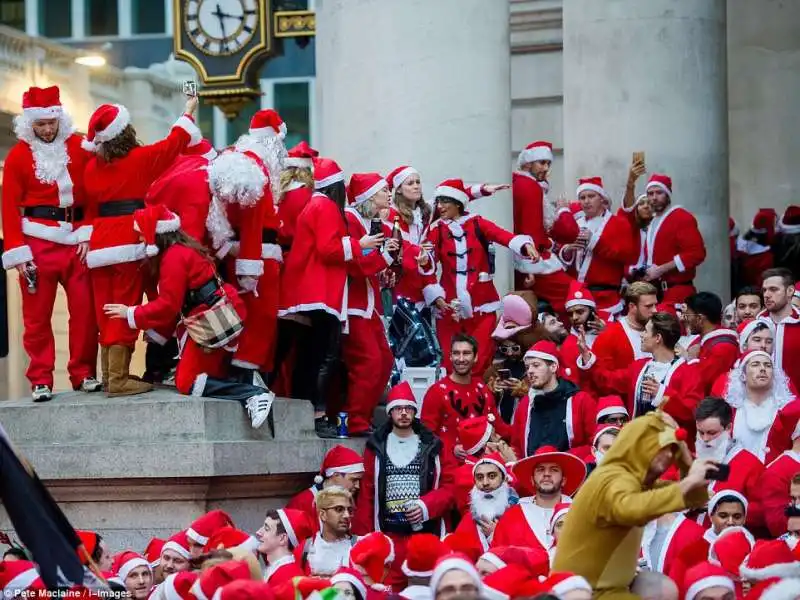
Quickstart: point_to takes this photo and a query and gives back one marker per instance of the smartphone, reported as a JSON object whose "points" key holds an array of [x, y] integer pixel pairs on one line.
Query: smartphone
{"points": [[504, 374], [721, 474], [638, 157], [190, 89]]}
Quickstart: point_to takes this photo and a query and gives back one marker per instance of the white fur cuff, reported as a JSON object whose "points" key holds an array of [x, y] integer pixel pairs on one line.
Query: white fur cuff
{"points": [[518, 242], [83, 233], [251, 268], [17, 256], [190, 127], [130, 317], [431, 293]]}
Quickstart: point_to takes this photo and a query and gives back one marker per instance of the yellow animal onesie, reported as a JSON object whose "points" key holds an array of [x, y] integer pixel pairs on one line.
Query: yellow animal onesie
{"points": [[603, 531]]}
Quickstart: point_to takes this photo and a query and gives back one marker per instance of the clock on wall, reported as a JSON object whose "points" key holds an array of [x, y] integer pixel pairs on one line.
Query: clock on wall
{"points": [[221, 27]]}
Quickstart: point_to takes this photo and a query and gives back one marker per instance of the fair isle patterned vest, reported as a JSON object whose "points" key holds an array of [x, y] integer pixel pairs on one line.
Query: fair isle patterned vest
{"points": [[402, 486]]}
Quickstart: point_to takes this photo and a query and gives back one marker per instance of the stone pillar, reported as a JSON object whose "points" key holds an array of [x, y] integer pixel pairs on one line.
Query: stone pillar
{"points": [[422, 83], [652, 76]]}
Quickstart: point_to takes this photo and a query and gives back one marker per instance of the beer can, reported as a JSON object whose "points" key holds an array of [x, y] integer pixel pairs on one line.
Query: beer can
{"points": [[341, 425]]}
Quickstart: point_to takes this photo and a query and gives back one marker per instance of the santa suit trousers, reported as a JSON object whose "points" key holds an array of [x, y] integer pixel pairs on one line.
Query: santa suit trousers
{"points": [[258, 340], [369, 360], [676, 296], [58, 264], [117, 284], [479, 326], [195, 360]]}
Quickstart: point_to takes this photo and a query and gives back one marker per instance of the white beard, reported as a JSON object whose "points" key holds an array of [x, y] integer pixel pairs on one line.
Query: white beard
{"points": [[548, 209], [272, 151], [716, 450], [489, 505], [51, 159]]}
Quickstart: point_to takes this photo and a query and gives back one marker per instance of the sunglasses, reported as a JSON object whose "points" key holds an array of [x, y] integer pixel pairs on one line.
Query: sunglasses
{"points": [[509, 349]]}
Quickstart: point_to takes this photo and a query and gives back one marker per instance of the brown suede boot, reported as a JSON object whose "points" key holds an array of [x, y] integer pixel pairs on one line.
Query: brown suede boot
{"points": [[119, 384], [104, 366]]}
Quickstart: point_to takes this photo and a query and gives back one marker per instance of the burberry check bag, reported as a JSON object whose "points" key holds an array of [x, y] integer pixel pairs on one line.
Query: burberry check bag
{"points": [[216, 326]]}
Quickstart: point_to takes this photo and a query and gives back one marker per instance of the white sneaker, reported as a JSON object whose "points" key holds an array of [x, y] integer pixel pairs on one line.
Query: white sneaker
{"points": [[90, 384], [41, 393], [258, 408]]}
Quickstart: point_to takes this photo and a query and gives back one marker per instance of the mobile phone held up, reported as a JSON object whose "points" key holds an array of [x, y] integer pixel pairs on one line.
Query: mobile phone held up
{"points": [[504, 374], [721, 474], [189, 89]]}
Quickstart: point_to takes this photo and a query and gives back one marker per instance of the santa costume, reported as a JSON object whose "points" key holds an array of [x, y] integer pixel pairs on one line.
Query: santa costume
{"points": [[461, 247], [577, 295], [365, 348], [719, 350], [601, 264], [785, 429], [20, 578], [564, 417], [787, 344], [203, 528], [744, 330], [752, 422], [618, 345], [116, 189], [528, 524], [189, 285], [296, 194], [773, 487], [537, 216], [668, 548], [372, 555], [673, 236], [45, 217], [298, 530], [611, 405], [754, 248], [703, 576]]}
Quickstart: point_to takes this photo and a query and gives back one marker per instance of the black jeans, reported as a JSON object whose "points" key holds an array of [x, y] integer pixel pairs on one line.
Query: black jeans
{"points": [[317, 358]]}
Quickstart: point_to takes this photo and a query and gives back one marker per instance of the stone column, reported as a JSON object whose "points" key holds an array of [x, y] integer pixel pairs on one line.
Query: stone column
{"points": [[652, 76], [421, 83]]}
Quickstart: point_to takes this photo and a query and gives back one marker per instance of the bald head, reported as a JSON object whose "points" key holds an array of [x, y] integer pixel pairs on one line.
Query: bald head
{"points": [[654, 586]]}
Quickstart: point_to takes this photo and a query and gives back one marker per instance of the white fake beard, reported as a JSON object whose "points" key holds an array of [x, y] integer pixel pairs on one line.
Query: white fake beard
{"points": [[489, 505], [272, 151], [548, 212], [714, 450], [51, 159]]}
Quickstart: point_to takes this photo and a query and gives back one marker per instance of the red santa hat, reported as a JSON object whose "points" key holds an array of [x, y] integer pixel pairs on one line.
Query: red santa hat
{"points": [[454, 562], [535, 560], [373, 553], [453, 189], [601, 430], [126, 561], [401, 395], [544, 349], [764, 221], [565, 582], [579, 295], [154, 220], [230, 537], [178, 586], [715, 499], [153, 551], [267, 123], [89, 539], [106, 123], [593, 184], [399, 175], [326, 172], [770, 558], [534, 151], [204, 527], [610, 405], [559, 510], [750, 355], [42, 103], [703, 576], [660, 182], [422, 552], [516, 316], [339, 459], [179, 544], [474, 433], [748, 326], [296, 524], [247, 589], [504, 583], [790, 221], [219, 576], [789, 418], [464, 543], [301, 156], [731, 548], [204, 148], [573, 468], [19, 576], [494, 458], [354, 578], [364, 186]]}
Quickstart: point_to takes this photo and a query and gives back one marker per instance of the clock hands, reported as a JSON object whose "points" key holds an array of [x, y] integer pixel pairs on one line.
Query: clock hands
{"points": [[222, 16]]}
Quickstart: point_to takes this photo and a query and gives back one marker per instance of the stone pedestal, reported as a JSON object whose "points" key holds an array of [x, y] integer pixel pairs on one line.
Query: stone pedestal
{"points": [[134, 468], [652, 76], [422, 83]]}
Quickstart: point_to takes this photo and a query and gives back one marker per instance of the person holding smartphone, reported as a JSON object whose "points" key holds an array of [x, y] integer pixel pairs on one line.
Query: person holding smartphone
{"points": [[581, 310]]}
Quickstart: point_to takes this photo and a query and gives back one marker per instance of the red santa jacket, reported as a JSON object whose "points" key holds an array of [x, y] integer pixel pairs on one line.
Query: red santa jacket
{"points": [[315, 274], [457, 247], [524, 525], [609, 250], [294, 200], [23, 187], [674, 235], [447, 402], [363, 287], [412, 282], [580, 423], [787, 345], [773, 491], [282, 571], [746, 470], [637, 239], [683, 546], [753, 259], [719, 350], [618, 345], [114, 240], [681, 385], [306, 501], [779, 439]]}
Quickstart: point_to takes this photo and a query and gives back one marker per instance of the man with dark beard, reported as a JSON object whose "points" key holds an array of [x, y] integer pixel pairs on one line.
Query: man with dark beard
{"points": [[489, 499]]}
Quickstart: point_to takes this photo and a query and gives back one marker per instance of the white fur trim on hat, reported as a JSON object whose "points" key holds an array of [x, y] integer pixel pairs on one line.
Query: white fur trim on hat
{"points": [[401, 402], [35, 113], [490, 461], [576, 582], [454, 563], [352, 580], [269, 131], [542, 355], [301, 162], [782, 570], [132, 564], [530, 155], [612, 410], [354, 468], [707, 582], [556, 516], [451, 192], [398, 179], [748, 330], [287, 525], [177, 548], [660, 186], [579, 302], [369, 193], [191, 533], [330, 180], [120, 122], [491, 557], [585, 187], [482, 442], [22, 581], [751, 355], [786, 589]]}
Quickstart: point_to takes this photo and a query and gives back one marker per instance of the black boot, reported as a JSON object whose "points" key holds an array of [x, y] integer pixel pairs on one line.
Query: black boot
{"points": [[255, 399]]}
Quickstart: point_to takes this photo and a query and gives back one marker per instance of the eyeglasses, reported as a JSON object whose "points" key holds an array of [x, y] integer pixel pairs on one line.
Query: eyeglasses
{"points": [[615, 420], [339, 509], [509, 349]]}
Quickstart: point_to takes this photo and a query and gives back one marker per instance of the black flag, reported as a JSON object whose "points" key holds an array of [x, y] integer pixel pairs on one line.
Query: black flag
{"points": [[40, 525]]}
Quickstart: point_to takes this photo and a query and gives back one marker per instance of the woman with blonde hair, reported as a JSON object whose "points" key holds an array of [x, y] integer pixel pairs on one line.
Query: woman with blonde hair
{"points": [[297, 187]]}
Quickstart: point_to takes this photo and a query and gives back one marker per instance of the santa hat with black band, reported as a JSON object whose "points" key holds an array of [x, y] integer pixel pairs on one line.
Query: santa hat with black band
{"points": [[339, 459], [396, 178]]}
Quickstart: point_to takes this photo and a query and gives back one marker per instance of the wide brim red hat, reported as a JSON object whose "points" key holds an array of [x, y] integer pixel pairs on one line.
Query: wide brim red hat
{"points": [[573, 470]]}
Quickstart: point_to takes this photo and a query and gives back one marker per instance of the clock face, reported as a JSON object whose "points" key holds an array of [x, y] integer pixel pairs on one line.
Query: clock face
{"points": [[221, 27]]}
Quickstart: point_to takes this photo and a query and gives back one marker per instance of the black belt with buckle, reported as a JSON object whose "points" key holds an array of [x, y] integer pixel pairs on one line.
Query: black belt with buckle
{"points": [[665, 285], [603, 288], [118, 208], [268, 236], [206, 294], [67, 214]]}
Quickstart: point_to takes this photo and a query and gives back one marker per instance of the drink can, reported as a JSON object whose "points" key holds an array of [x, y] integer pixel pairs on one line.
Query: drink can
{"points": [[341, 425]]}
